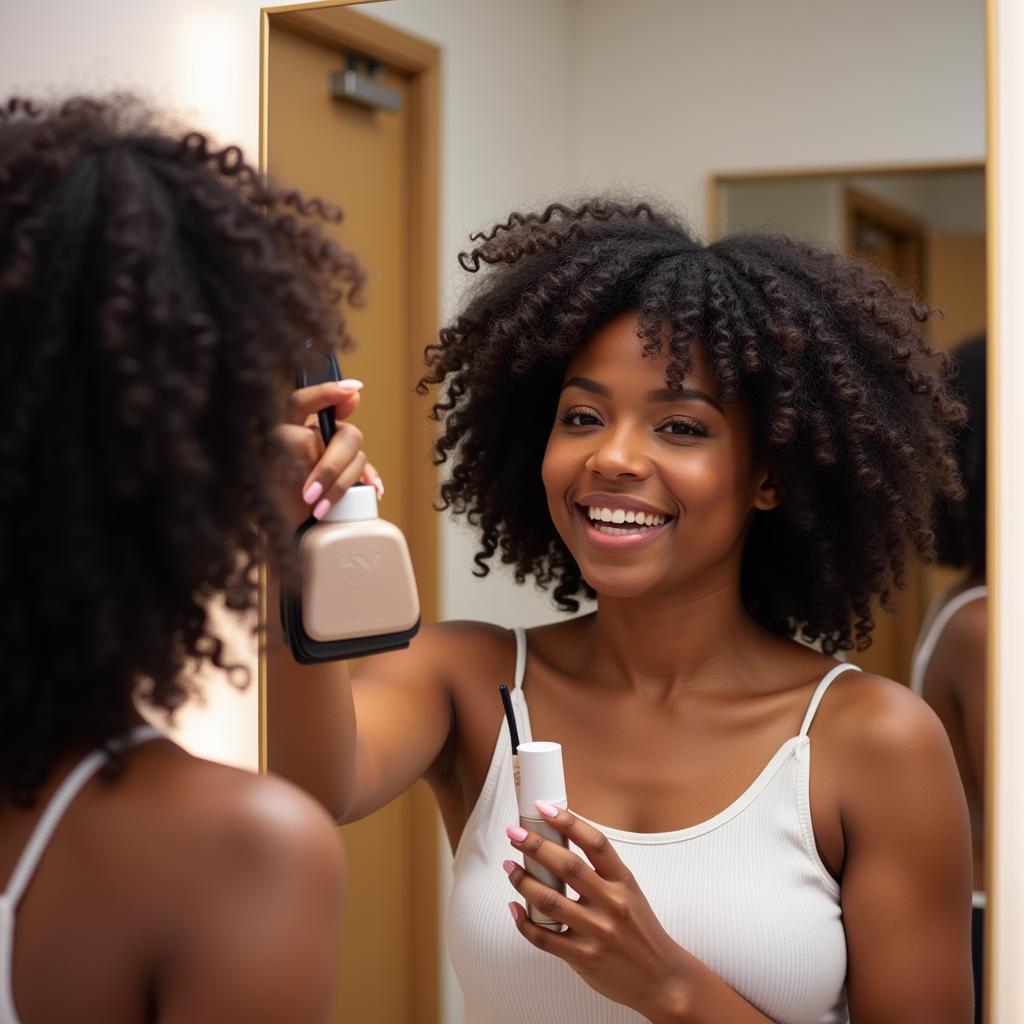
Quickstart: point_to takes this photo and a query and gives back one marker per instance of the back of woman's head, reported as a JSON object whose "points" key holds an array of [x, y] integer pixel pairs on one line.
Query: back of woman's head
{"points": [[153, 293]]}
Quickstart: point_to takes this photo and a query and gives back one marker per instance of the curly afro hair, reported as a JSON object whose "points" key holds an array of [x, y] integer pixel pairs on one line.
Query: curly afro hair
{"points": [[845, 394], [155, 294], [960, 525]]}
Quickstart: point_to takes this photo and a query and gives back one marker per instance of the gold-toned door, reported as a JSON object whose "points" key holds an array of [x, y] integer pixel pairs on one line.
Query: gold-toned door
{"points": [[362, 159]]}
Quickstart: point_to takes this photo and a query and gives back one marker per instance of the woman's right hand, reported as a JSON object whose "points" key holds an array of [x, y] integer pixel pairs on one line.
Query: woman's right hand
{"points": [[331, 470]]}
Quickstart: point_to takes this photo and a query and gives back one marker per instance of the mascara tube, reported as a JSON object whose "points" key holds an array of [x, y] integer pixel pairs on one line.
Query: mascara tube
{"points": [[541, 777]]}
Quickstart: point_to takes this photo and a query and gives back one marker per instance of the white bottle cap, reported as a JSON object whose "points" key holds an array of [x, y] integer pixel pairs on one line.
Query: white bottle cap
{"points": [[358, 502], [541, 777]]}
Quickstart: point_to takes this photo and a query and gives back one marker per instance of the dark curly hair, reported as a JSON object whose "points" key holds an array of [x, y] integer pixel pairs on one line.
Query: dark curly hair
{"points": [[845, 394], [960, 525], [155, 294]]}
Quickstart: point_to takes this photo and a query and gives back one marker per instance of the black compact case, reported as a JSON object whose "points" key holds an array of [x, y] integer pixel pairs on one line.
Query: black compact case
{"points": [[319, 369]]}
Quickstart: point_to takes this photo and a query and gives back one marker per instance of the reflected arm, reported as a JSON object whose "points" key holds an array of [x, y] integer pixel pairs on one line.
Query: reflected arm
{"points": [[356, 741]]}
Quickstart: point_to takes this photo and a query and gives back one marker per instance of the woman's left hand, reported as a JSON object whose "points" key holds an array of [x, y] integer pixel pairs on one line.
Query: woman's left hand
{"points": [[614, 942]]}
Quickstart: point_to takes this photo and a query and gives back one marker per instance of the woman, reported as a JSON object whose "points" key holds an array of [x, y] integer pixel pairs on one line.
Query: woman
{"points": [[732, 447], [949, 662], [154, 295]]}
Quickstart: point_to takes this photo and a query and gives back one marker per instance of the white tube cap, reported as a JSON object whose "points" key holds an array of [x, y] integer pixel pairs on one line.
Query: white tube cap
{"points": [[358, 502], [541, 776]]}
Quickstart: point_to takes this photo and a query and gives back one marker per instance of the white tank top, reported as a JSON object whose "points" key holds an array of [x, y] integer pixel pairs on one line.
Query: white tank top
{"points": [[33, 853], [745, 892]]}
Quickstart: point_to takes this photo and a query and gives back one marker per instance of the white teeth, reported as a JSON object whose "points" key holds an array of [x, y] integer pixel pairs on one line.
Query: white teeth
{"points": [[620, 516]]}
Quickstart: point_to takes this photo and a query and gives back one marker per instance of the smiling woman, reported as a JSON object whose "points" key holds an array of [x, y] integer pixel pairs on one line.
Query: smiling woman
{"points": [[734, 448]]}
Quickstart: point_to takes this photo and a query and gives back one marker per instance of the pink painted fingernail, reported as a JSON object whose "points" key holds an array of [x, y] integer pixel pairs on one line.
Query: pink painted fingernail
{"points": [[349, 384], [516, 833], [548, 810], [312, 492], [515, 910], [321, 510], [509, 866]]}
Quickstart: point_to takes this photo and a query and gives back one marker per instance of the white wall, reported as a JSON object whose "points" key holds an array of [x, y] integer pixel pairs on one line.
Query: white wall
{"points": [[670, 91]]}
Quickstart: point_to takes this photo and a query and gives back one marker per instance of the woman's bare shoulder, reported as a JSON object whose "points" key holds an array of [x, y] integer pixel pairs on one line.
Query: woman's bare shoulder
{"points": [[878, 733], [223, 807]]}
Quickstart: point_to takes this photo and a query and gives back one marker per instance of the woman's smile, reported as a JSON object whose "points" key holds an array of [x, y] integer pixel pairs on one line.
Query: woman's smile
{"points": [[619, 524]]}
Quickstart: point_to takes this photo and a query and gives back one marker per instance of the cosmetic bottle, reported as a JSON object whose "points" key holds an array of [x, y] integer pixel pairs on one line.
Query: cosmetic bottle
{"points": [[357, 594], [541, 777]]}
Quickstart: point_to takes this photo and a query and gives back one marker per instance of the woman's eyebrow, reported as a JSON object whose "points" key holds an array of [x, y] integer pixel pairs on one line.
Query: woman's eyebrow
{"points": [[681, 395], [586, 384], [659, 395]]}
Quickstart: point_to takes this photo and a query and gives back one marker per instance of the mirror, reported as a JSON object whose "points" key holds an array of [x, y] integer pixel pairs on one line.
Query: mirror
{"points": [[807, 118]]}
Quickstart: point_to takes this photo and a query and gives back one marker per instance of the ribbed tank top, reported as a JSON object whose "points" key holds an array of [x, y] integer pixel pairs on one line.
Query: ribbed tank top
{"points": [[745, 892], [33, 854]]}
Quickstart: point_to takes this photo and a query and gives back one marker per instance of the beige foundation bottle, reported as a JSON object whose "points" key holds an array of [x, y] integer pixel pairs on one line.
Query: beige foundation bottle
{"points": [[358, 591]]}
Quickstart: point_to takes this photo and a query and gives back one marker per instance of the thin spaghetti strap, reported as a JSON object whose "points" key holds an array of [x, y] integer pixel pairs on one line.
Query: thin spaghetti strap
{"points": [[48, 822], [821, 690], [58, 805], [140, 734], [520, 657]]}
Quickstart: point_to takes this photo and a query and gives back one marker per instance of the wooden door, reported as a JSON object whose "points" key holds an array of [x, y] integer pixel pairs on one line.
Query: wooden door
{"points": [[370, 162]]}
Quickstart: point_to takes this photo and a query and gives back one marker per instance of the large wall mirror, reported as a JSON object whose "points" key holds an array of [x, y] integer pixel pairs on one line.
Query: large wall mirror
{"points": [[861, 128]]}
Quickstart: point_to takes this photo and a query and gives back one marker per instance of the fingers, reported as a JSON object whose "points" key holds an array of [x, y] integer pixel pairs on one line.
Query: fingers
{"points": [[342, 464], [594, 843], [372, 477], [558, 944], [566, 865], [305, 402], [561, 908]]}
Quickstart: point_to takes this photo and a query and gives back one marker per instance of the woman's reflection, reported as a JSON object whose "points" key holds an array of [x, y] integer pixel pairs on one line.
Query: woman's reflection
{"points": [[949, 663]]}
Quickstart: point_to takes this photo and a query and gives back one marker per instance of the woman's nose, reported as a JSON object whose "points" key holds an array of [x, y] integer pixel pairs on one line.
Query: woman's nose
{"points": [[619, 453]]}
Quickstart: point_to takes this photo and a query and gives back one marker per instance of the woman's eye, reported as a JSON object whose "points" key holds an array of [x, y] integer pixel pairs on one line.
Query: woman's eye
{"points": [[579, 418], [684, 428]]}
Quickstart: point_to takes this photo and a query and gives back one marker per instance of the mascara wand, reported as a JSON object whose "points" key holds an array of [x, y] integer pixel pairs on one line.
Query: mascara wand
{"points": [[513, 733]]}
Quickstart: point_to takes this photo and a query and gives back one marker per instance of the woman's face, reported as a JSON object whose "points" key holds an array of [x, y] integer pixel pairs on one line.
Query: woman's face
{"points": [[651, 490]]}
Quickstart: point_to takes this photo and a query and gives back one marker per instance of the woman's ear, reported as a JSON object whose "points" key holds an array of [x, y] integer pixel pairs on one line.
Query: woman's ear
{"points": [[768, 494]]}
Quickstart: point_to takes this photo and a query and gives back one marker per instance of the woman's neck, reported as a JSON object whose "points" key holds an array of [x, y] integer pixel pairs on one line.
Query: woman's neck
{"points": [[665, 643]]}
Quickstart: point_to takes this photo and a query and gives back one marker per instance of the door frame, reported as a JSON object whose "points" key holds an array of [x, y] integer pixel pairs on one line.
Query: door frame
{"points": [[325, 21]]}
